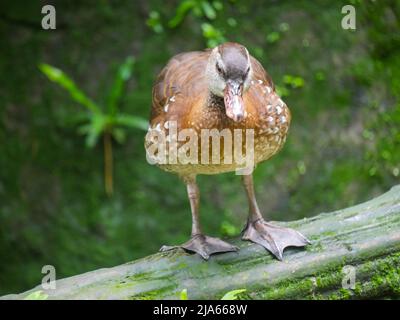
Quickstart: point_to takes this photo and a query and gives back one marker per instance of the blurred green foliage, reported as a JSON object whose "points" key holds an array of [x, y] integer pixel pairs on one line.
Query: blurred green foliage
{"points": [[342, 87], [97, 122]]}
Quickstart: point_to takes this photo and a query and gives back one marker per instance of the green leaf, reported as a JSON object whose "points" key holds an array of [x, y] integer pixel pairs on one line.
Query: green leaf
{"points": [[59, 77], [131, 121], [273, 37], [209, 31], [119, 135], [218, 5], [228, 229], [91, 138], [124, 73], [208, 10], [214, 36], [94, 129], [183, 295], [154, 22], [181, 12], [232, 295], [293, 81], [282, 91], [37, 295]]}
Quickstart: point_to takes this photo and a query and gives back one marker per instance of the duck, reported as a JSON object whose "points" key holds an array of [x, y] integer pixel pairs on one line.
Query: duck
{"points": [[220, 90]]}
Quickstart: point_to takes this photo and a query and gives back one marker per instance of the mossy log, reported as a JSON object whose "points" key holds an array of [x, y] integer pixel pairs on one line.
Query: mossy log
{"points": [[366, 236]]}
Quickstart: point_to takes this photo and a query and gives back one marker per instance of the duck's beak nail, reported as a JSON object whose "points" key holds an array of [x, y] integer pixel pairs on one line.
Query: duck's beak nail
{"points": [[234, 106]]}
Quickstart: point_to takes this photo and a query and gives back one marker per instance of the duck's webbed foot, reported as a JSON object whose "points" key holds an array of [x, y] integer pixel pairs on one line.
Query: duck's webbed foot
{"points": [[204, 246], [273, 238]]}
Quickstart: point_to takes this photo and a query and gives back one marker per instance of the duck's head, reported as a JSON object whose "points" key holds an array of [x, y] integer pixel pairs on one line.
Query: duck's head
{"points": [[228, 74]]}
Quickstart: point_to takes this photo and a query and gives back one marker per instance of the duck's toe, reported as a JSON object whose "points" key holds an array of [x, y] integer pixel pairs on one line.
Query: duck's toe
{"points": [[204, 246], [273, 238]]}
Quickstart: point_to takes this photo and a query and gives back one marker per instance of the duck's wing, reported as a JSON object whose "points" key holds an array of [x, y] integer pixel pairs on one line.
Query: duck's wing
{"points": [[178, 86], [259, 73], [271, 114]]}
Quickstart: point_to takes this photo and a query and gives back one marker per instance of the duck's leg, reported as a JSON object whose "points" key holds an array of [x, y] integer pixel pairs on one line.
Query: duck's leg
{"points": [[273, 238], [200, 243]]}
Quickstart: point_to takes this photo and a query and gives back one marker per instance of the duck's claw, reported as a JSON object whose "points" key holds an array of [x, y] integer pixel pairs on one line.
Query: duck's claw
{"points": [[273, 238], [204, 246]]}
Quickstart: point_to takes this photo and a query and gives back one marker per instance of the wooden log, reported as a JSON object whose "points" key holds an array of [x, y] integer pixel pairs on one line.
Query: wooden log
{"points": [[365, 237]]}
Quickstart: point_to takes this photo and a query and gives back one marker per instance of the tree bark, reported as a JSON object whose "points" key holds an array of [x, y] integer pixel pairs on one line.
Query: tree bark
{"points": [[365, 237]]}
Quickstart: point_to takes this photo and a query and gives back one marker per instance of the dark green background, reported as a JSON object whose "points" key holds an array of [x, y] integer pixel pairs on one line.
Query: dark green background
{"points": [[344, 145]]}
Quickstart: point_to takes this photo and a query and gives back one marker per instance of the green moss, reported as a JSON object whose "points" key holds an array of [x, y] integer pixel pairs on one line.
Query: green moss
{"points": [[232, 267], [315, 247], [133, 280], [327, 284], [181, 265], [328, 234], [358, 289], [140, 276], [386, 278], [328, 279], [288, 289], [154, 294], [124, 284], [345, 294], [388, 274]]}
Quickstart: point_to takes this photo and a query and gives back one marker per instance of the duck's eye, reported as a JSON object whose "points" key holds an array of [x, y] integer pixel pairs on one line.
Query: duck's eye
{"points": [[247, 71], [219, 69]]}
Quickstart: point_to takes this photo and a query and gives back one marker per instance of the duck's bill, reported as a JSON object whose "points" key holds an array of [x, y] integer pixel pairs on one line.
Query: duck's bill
{"points": [[234, 106]]}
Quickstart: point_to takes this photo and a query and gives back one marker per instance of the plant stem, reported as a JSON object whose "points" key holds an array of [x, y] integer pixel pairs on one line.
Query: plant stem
{"points": [[108, 163]]}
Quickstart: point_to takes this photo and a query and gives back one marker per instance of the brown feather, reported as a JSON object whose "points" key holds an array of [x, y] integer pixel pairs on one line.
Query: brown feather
{"points": [[181, 93]]}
